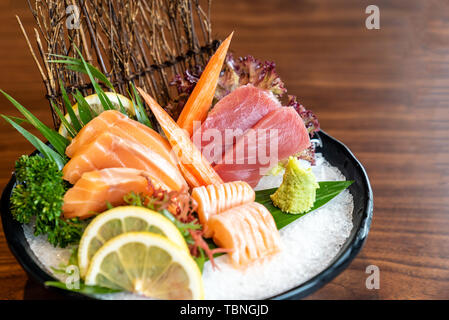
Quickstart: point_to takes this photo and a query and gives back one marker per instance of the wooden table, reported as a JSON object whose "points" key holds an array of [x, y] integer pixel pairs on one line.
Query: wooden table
{"points": [[384, 93]]}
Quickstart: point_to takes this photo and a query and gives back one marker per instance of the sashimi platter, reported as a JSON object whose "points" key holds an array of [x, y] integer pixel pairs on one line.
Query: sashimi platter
{"points": [[238, 196]]}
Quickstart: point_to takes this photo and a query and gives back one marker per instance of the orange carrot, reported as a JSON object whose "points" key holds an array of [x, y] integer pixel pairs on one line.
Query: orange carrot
{"points": [[200, 100], [214, 199], [199, 171]]}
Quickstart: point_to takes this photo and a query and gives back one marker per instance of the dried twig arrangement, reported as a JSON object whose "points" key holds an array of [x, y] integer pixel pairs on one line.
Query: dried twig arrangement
{"points": [[145, 42]]}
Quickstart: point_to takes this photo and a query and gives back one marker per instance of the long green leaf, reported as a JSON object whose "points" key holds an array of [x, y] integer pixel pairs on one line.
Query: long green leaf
{"points": [[80, 65], [58, 142], [83, 108], [327, 191], [73, 118], [141, 115], [122, 108], [77, 65], [18, 120], [84, 289], [107, 104], [95, 72], [64, 121], [38, 144]]}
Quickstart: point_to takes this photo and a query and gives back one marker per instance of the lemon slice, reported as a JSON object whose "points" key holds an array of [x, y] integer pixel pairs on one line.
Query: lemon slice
{"points": [[95, 104], [119, 220], [147, 264]]}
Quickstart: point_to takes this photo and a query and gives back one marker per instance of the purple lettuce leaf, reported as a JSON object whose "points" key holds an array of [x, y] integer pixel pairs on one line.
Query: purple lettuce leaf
{"points": [[249, 70], [309, 118], [307, 154]]}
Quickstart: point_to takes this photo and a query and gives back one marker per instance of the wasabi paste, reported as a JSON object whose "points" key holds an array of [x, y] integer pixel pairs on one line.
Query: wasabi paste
{"points": [[298, 189]]}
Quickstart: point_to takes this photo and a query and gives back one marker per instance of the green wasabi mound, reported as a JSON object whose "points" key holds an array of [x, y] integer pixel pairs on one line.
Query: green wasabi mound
{"points": [[298, 189]]}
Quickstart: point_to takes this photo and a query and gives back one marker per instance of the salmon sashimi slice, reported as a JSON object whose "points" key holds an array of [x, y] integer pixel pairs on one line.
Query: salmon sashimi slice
{"points": [[91, 194], [249, 231], [97, 125], [278, 135], [231, 117], [111, 151], [214, 199], [119, 124]]}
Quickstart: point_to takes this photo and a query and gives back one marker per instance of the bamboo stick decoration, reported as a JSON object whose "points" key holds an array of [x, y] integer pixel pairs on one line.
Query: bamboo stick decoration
{"points": [[146, 42]]}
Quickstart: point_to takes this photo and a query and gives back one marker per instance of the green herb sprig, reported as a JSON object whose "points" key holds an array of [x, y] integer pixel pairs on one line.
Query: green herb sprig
{"points": [[39, 194]]}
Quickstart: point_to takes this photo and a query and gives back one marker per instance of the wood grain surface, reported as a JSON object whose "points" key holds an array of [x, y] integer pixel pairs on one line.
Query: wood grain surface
{"points": [[384, 93]]}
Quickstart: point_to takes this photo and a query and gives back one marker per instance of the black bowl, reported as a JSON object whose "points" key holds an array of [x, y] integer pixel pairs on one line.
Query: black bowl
{"points": [[334, 151]]}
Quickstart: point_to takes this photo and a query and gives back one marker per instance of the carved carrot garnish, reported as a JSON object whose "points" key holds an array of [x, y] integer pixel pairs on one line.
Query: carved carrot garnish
{"points": [[200, 101]]}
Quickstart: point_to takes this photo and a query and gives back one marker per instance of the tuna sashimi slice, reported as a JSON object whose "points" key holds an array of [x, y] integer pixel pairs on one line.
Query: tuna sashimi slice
{"points": [[249, 231], [111, 151], [255, 152], [117, 123], [231, 117], [95, 189]]}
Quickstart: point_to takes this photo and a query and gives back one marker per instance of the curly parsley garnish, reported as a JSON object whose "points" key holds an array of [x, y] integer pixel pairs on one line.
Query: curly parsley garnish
{"points": [[39, 193]]}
